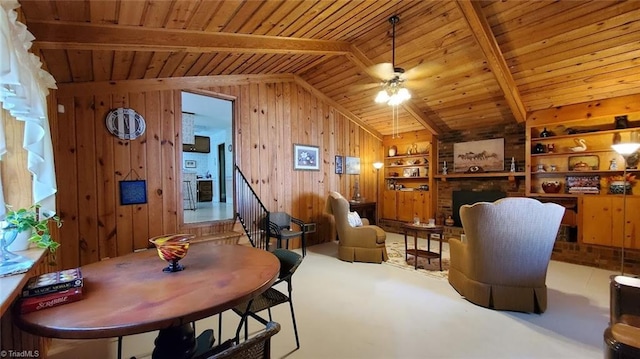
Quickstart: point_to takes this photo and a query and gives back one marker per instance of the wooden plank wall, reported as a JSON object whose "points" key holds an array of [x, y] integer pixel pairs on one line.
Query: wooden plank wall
{"points": [[16, 184], [270, 118]]}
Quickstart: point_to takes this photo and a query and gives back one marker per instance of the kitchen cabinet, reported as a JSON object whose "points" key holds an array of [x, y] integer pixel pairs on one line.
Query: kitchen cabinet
{"points": [[205, 190], [188, 122], [202, 145]]}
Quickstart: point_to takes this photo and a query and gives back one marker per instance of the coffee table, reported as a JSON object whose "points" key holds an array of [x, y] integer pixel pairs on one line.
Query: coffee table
{"points": [[415, 229]]}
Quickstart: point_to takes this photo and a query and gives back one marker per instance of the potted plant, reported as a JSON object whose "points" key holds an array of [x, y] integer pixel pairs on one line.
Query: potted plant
{"points": [[32, 223]]}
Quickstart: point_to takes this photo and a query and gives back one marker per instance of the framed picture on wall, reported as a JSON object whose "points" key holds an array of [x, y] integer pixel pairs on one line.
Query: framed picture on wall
{"points": [[339, 165], [306, 158], [353, 165]]}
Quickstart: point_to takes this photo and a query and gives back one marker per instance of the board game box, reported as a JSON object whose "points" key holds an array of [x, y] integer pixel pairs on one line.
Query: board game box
{"points": [[32, 304], [53, 282]]}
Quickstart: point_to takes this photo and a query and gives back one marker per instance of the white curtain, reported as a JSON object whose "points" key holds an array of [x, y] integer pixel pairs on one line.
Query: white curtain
{"points": [[24, 87]]}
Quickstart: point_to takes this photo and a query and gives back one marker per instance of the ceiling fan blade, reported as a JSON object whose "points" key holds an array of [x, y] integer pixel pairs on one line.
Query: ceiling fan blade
{"points": [[419, 84], [420, 71], [383, 71]]}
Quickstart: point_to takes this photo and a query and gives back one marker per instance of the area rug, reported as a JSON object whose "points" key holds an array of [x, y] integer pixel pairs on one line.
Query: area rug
{"points": [[395, 250]]}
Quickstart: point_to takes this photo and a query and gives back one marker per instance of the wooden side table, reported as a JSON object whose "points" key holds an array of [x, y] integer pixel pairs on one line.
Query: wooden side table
{"points": [[415, 228], [365, 210]]}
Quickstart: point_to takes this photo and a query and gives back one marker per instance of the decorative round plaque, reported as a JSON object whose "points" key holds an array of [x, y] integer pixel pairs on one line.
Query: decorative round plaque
{"points": [[125, 123]]}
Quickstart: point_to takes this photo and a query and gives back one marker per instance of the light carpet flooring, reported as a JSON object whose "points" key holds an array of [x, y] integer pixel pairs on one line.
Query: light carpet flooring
{"points": [[362, 310]]}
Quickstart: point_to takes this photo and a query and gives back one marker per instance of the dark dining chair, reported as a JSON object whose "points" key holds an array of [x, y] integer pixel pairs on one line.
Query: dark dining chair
{"points": [[256, 347], [281, 228], [289, 263]]}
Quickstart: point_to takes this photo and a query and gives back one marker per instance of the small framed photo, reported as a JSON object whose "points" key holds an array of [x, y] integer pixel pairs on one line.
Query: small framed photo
{"points": [[306, 158], [189, 164], [353, 165], [411, 172], [339, 165]]}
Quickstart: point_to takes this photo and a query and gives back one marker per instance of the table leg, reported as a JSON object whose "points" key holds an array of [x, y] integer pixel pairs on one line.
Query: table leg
{"points": [[415, 246], [177, 342], [429, 246], [440, 252], [405, 246]]}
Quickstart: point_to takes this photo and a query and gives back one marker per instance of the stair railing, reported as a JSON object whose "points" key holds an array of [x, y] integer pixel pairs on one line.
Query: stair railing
{"points": [[251, 213]]}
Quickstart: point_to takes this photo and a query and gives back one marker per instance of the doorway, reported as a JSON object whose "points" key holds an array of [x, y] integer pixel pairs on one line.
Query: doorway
{"points": [[207, 123]]}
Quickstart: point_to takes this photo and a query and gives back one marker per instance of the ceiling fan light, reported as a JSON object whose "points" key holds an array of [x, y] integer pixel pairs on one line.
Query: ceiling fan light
{"points": [[404, 94], [382, 96], [395, 100]]}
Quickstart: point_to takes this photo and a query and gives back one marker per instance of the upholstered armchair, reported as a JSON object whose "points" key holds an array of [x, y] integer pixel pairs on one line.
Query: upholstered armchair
{"points": [[503, 262], [364, 243]]}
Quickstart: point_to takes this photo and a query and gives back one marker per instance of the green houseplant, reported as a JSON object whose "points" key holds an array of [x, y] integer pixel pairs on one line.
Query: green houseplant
{"points": [[25, 219]]}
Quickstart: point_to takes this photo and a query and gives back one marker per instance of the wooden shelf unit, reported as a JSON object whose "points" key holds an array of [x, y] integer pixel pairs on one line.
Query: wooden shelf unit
{"points": [[598, 216], [403, 205]]}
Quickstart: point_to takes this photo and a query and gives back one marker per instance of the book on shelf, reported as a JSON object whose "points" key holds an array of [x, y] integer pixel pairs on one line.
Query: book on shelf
{"points": [[53, 282], [32, 304]]}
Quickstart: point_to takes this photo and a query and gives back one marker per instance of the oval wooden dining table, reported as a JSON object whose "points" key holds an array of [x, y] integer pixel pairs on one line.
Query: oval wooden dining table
{"points": [[131, 294]]}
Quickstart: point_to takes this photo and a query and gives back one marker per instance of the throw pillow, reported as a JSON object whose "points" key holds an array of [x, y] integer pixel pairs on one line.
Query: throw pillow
{"points": [[354, 219]]}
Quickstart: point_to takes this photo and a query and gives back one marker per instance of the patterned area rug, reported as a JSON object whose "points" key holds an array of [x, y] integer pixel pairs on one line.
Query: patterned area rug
{"points": [[395, 249]]}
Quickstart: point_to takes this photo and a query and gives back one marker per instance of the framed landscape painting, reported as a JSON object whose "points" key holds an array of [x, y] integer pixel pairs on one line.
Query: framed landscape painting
{"points": [[485, 155], [306, 158], [353, 165]]}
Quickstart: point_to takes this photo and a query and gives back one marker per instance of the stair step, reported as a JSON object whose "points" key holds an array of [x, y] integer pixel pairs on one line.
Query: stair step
{"points": [[229, 237]]}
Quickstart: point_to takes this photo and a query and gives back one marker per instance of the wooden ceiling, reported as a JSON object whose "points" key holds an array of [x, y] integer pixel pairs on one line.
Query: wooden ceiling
{"points": [[483, 62]]}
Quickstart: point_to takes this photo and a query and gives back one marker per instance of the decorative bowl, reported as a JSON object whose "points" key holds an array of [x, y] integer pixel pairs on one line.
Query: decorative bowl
{"points": [[551, 186], [172, 248], [618, 187]]}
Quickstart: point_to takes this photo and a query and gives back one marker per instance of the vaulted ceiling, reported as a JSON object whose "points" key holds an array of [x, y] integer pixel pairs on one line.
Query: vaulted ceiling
{"points": [[482, 62]]}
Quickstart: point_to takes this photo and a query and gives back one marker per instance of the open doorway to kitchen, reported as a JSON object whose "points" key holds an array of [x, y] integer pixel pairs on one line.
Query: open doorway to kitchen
{"points": [[207, 182]]}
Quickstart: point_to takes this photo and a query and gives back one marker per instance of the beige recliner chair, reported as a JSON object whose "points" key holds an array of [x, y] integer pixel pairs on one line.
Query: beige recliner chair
{"points": [[360, 244], [503, 262]]}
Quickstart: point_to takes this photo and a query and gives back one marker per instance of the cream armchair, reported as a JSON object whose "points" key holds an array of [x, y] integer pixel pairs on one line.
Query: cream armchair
{"points": [[503, 262], [360, 244]]}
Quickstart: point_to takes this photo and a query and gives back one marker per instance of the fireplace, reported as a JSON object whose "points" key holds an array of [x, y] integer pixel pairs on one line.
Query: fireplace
{"points": [[469, 197]]}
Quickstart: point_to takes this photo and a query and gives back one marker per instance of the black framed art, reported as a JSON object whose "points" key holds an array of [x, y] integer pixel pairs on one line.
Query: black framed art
{"points": [[339, 165], [133, 192]]}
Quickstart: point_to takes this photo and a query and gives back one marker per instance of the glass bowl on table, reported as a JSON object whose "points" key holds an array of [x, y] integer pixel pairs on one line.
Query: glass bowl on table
{"points": [[172, 248]]}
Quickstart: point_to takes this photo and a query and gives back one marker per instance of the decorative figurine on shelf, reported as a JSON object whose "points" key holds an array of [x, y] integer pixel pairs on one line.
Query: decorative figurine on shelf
{"points": [[582, 145], [444, 168], [392, 151], [513, 165], [613, 165], [545, 133]]}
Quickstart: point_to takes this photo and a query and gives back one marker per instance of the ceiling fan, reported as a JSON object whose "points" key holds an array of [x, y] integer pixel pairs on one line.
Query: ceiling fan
{"points": [[395, 80]]}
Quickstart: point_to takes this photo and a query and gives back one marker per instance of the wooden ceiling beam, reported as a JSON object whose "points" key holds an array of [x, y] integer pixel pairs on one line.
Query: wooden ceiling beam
{"points": [[472, 13], [364, 63], [75, 36]]}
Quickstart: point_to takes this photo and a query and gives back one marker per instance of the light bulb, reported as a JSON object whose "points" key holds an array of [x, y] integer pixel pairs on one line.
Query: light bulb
{"points": [[404, 94], [382, 97]]}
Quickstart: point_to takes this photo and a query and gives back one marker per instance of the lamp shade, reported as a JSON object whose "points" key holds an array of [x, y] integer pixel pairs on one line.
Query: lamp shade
{"points": [[625, 149], [378, 165]]}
